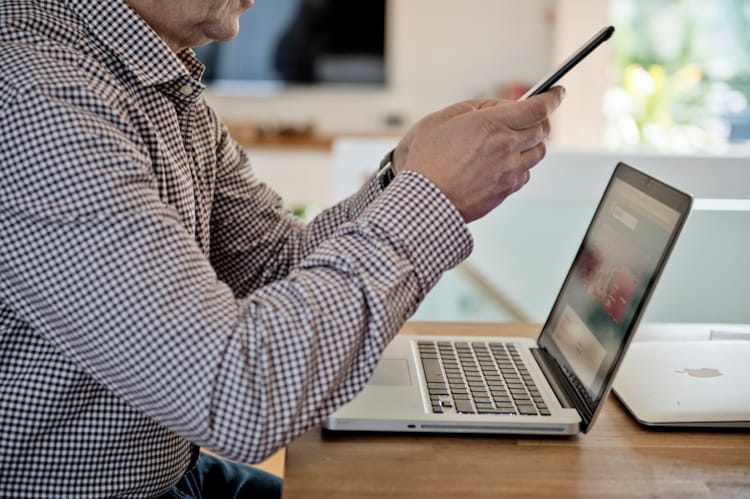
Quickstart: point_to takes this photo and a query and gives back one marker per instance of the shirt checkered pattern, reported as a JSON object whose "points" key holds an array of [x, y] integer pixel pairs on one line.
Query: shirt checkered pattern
{"points": [[154, 295]]}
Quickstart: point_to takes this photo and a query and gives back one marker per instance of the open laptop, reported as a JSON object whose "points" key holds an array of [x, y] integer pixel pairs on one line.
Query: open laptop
{"points": [[699, 384], [553, 386]]}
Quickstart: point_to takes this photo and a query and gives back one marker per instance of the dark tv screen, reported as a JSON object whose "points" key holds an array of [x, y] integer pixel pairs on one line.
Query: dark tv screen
{"points": [[302, 42]]}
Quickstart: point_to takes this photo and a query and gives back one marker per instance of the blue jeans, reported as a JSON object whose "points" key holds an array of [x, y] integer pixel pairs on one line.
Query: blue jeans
{"points": [[212, 477]]}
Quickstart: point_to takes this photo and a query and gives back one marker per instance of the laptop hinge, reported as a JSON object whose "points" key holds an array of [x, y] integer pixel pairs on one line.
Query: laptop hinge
{"points": [[566, 394]]}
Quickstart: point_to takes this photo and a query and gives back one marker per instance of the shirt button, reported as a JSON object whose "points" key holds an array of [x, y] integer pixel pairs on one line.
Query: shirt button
{"points": [[186, 90]]}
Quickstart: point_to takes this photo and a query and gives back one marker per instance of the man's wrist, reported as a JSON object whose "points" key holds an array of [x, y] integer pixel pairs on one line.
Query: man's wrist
{"points": [[385, 171]]}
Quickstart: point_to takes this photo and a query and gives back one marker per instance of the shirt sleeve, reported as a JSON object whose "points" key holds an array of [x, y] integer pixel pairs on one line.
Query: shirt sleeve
{"points": [[254, 239], [104, 269]]}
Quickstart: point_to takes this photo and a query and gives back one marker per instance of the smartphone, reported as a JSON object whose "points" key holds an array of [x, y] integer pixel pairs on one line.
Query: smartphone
{"points": [[601, 36]]}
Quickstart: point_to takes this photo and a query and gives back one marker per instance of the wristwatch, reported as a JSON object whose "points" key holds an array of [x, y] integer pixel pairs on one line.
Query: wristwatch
{"points": [[385, 171]]}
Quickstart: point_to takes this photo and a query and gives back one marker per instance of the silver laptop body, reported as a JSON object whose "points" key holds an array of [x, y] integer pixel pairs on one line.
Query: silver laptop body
{"points": [[450, 383], [701, 384]]}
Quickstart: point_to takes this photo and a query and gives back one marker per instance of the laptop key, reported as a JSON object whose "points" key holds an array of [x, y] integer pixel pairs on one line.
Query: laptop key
{"points": [[464, 407], [527, 410], [488, 411], [432, 371]]}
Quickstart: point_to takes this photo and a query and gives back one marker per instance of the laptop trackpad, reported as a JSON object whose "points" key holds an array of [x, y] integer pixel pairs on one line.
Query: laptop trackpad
{"points": [[391, 372]]}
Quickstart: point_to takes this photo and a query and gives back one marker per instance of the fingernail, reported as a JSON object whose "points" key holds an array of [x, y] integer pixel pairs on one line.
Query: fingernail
{"points": [[563, 92]]}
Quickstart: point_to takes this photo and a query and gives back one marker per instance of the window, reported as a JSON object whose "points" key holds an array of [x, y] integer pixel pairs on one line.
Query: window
{"points": [[682, 75]]}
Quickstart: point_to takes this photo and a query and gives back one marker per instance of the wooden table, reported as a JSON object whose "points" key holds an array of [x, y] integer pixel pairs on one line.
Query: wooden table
{"points": [[618, 457]]}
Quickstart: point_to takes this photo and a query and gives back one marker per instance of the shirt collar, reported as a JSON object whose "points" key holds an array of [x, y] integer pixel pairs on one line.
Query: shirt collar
{"points": [[133, 41]]}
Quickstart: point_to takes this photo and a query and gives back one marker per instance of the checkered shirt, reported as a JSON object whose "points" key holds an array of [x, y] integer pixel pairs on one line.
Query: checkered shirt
{"points": [[154, 295]]}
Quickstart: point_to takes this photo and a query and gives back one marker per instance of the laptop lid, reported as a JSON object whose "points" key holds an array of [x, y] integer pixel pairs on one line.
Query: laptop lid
{"points": [[608, 286], [700, 384]]}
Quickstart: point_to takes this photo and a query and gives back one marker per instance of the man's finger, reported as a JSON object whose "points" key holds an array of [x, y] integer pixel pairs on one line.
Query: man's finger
{"points": [[530, 137], [532, 111], [531, 157]]}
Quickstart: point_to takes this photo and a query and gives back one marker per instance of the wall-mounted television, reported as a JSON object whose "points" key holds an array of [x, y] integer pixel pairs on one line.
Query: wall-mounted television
{"points": [[301, 42]]}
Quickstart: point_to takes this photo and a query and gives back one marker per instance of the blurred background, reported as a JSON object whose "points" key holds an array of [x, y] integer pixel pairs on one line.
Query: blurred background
{"points": [[319, 90]]}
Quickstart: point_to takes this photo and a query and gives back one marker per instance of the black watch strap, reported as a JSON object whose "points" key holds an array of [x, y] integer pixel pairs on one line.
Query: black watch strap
{"points": [[385, 172]]}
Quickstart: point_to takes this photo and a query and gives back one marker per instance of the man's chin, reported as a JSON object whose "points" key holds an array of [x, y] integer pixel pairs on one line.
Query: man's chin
{"points": [[223, 33]]}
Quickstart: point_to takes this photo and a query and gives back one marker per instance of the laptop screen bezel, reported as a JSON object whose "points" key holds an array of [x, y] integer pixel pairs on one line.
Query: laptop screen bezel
{"points": [[681, 202]]}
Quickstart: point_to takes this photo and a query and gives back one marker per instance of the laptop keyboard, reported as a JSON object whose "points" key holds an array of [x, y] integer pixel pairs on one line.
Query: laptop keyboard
{"points": [[479, 378]]}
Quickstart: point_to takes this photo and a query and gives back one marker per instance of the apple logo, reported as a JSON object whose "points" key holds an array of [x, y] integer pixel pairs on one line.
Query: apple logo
{"points": [[703, 372]]}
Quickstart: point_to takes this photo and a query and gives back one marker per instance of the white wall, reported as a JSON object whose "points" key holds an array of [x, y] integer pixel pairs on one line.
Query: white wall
{"points": [[438, 51], [526, 245], [303, 177], [580, 121]]}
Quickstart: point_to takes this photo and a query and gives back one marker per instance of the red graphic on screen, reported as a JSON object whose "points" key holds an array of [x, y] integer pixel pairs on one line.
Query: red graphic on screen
{"points": [[611, 276], [622, 286]]}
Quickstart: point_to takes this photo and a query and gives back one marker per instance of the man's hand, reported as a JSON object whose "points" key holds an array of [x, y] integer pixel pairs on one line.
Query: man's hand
{"points": [[479, 152]]}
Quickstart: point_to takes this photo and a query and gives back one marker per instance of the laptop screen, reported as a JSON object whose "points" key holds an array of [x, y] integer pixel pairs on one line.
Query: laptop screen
{"points": [[611, 278]]}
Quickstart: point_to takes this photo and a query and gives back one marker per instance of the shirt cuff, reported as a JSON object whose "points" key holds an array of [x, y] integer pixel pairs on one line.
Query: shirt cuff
{"points": [[368, 193], [413, 212]]}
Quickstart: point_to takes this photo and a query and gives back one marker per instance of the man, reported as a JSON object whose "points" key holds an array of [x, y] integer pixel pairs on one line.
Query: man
{"points": [[155, 297]]}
